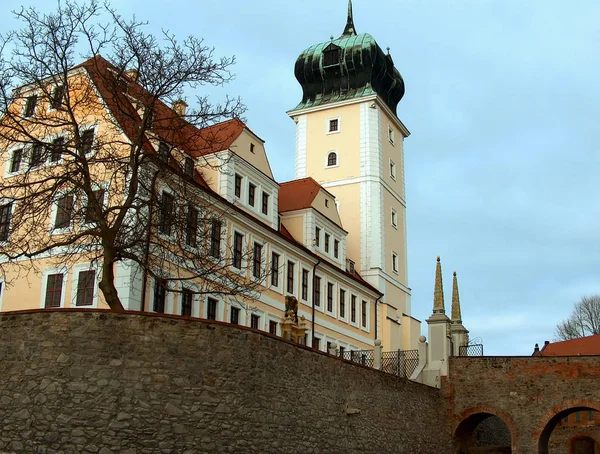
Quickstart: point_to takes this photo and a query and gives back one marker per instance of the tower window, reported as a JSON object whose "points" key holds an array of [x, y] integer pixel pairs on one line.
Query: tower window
{"points": [[394, 218], [331, 55], [251, 148], [333, 125], [395, 262], [332, 159], [392, 170], [391, 135]]}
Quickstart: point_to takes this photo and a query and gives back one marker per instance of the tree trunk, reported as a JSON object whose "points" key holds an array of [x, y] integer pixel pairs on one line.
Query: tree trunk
{"points": [[107, 284]]}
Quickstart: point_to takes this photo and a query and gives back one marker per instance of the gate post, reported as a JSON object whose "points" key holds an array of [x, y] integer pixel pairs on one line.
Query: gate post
{"points": [[377, 354]]}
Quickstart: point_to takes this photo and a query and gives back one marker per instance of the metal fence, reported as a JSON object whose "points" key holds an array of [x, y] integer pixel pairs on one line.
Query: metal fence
{"points": [[470, 350], [400, 362], [364, 357]]}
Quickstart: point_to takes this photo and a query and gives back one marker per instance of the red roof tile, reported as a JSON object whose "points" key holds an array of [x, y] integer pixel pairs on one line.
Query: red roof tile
{"points": [[297, 194], [589, 345]]}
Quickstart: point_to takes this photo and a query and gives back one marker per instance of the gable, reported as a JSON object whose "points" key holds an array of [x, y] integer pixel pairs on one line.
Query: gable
{"points": [[251, 148]]}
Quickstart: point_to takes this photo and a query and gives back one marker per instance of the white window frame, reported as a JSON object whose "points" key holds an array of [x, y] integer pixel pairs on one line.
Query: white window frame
{"points": [[50, 108], [322, 281], [6, 201], [9, 159], [337, 159], [84, 201], [391, 135], [263, 262], [367, 328], [296, 263], [328, 125], [334, 297], [65, 273], [196, 300], [345, 318], [243, 184], [393, 172], [169, 297], [322, 341], [280, 273], [308, 283], [394, 219], [75, 281], [242, 319], [86, 127], [222, 240], [219, 310], [200, 241], [49, 141], [162, 188], [272, 318], [245, 241], [37, 103], [395, 263], [261, 318], [356, 323], [2, 291], [54, 212]]}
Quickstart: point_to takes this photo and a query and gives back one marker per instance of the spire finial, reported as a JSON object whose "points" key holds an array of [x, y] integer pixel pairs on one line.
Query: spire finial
{"points": [[456, 316], [438, 291], [349, 30]]}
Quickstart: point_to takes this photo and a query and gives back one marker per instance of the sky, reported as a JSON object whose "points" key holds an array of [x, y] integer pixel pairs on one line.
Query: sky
{"points": [[502, 102]]}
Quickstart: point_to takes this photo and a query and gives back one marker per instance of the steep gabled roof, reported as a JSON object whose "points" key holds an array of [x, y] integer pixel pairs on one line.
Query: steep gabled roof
{"points": [[589, 345], [299, 194]]}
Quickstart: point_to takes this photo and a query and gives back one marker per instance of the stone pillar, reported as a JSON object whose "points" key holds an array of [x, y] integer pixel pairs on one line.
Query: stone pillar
{"points": [[332, 349], [377, 354]]}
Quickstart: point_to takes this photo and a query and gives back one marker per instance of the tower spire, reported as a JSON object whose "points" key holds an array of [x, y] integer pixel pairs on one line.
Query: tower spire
{"points": [[438, 291], [349, 30], [456, 316]]}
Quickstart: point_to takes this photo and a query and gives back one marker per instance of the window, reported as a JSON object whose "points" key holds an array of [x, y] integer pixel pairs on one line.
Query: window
{"points": [[316, 343], [364, 314], [265, 203], [93, 211], [394, 218], [317, 236], [317, 291], [331, 55], [350, 266], [342, 350], [332, 159], [37, 155], [305, 285], [566, 419], [257, 260], [57, 97], [326, 202], [234, 316], [211, 309], [165, 215], [57, 149], [353, 308], [394, 262], [160, 295], [391, 135], [164, 152], [189, 167], [87, 141], [578, 416], [54, 284], [187, 296], [254, 321], [336, 248], [274, 269], [191, 226], [591, 415], [330, 297], [64, 212], [238, 240], [215, 238], [17, 157], [30, 104], [327, 242], [85, 288], [392, 170], [290, 277], [342, 303], [334, 125], [273, 327], [238, 185], [251, 191], [251, 148], [5, 218]]}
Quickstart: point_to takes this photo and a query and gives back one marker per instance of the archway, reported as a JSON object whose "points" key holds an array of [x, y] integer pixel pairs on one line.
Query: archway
{"points": [[571, 428], [483, 433]]}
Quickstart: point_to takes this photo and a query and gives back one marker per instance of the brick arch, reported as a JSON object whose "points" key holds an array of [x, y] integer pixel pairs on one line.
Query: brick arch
{"points": [[479, 409], [542, 434]]}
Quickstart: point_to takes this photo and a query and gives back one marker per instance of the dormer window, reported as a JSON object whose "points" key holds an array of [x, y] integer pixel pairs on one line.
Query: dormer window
{"points": [[331, 55], [332, 160], [30, 105], [163, 151], [189, 167]]}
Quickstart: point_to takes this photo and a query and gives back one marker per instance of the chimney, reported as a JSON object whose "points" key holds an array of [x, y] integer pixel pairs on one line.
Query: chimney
{"points": [[132, 74], [180, 107]]}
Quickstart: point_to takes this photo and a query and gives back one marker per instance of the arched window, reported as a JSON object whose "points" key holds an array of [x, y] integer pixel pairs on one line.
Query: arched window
{"points": [[332, 159]]}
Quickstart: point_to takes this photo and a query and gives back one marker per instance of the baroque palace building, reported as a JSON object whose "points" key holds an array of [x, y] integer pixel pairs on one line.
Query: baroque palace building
{"points": [[335, 237]]}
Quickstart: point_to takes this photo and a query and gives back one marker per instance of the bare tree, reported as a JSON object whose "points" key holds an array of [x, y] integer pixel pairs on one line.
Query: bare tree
{"points": [[97, 164], [583, 321]]}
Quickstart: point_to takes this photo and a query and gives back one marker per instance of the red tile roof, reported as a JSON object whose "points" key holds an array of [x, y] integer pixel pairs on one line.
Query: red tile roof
{"points": [[589, 345], [297, 194]]}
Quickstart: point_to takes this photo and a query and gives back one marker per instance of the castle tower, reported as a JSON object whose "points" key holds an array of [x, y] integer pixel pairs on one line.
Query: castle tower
{"points": [[438, 327], [460, 335], [350, 139]]}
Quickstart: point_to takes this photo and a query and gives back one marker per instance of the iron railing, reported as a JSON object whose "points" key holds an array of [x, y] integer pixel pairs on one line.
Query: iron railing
{"points": [[400, 362], [364, 357], [470, 350]]}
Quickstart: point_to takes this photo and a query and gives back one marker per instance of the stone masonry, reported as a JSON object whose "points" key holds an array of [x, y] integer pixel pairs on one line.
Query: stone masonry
{"points": [[101, 382]]}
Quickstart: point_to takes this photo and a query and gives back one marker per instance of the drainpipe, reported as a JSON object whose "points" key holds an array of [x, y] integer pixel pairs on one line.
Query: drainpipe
{"points": [[377, 315], [147, 248], [313, 301]]}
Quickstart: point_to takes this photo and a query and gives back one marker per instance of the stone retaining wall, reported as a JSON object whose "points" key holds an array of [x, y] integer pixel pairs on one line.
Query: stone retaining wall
{"points": [[101, 382]]}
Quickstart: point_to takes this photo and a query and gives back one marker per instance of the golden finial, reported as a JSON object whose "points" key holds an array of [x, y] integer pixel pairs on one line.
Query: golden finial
{"points": [[438, 291], [456, 316]]}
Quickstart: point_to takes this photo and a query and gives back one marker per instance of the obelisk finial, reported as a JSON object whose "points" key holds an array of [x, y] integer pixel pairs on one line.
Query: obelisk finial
{"points": [[456, 316], [349, 30], [438, 291]]}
